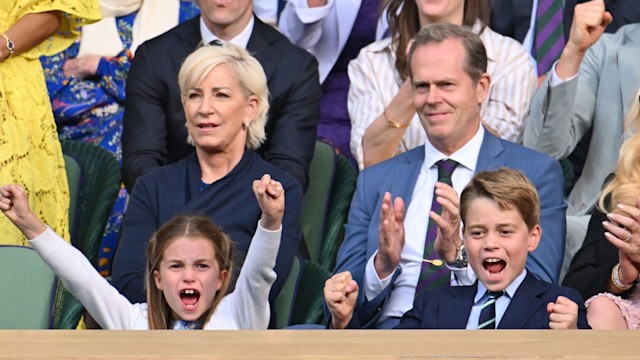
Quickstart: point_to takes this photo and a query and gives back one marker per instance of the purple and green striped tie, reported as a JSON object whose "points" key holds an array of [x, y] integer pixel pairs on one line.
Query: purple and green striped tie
{"points": [[549, 40], [432, 276]]}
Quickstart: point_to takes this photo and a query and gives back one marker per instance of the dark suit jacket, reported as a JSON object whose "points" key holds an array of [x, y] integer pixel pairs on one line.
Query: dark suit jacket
{"points": [[449, 307], [154, 131], [361, 230], [513, 17]]}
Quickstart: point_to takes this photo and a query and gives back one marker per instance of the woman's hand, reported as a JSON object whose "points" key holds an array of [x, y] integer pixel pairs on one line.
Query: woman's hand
{"points": [[82, 67], [14, 204], [270, 196], [623, 230]]}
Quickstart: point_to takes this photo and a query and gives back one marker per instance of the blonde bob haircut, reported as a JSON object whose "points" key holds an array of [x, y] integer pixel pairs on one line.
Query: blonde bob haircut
{"points": [[247, 71], [625, 186]]}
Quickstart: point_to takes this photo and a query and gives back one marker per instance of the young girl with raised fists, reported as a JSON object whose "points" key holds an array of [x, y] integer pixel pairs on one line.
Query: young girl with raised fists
{"points": [[188, 269]]}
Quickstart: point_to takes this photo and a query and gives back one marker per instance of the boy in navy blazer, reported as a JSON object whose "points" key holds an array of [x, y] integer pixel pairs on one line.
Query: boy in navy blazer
{"points": [[500, 213]]}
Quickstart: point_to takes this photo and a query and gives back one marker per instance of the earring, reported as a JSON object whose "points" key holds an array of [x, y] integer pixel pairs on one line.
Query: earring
{"points": [[244, 126]]}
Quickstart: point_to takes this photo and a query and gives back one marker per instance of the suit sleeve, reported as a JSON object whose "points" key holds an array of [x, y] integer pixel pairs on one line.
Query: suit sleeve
{"points": [[557, 122], [545, 262], [293, 120], [129, 263], [144, 145]]}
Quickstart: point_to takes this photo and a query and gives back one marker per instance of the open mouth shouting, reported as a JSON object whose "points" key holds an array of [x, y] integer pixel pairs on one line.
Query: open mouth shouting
{"points": [[493, 267], [189, 298]]}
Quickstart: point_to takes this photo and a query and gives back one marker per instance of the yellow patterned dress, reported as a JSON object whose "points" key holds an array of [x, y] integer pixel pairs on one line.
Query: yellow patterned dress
{"points": [[30, 153]]}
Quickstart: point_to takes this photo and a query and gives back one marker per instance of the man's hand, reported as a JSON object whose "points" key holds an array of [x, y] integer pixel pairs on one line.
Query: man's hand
{"points": [[341, 294], [448, 239], [270, 196], [390, 236], [563, 314], [589, 22]]}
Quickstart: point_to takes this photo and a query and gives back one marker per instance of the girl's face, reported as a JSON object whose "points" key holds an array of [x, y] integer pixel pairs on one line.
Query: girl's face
{"points": [[189, 277], [447, 11]]}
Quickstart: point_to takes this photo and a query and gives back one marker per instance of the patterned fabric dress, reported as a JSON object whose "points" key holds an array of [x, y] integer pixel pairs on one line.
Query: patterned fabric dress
{"points": [[91, 110], [30, 153], [630, 308]]}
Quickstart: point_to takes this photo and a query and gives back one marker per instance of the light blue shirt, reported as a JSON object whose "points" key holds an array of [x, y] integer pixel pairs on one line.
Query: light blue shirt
{"points": [[502, 303]]}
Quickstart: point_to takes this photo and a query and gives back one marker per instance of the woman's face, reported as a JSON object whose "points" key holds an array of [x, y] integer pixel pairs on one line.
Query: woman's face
{"points": [[448, 11], [216, 109]]}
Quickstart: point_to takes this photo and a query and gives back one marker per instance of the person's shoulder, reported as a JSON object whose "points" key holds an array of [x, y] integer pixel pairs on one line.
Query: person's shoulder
{"points": [[524, 153], [499, 46], [281, 43], [407, 160], [178, 33], [166, 174]]}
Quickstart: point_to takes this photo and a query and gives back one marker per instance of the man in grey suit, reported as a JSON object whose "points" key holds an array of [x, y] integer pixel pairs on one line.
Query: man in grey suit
{"points": [[591, 87], [449, 81]]}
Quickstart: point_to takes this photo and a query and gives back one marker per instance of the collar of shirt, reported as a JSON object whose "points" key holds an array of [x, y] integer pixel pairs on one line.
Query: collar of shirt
{"points": [[481, 295], [466, 156], [241, 40]]}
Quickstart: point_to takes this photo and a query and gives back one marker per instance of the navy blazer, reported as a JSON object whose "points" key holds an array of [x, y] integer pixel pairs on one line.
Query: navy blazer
{"points": [[449, 307], [154, 132], [361, 230]]}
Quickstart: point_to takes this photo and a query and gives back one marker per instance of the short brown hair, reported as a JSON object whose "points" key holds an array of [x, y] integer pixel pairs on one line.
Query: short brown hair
{"points": [[475, 54], [508, 188], [190, 226]]}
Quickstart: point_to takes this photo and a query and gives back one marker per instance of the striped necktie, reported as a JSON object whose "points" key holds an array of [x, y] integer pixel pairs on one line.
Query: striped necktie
{"points": [[487, 319], [185, 325], [432, 276], [549, 40]]}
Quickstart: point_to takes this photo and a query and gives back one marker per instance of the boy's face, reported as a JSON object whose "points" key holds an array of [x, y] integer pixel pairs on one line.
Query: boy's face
{"points": [[497, 242]]}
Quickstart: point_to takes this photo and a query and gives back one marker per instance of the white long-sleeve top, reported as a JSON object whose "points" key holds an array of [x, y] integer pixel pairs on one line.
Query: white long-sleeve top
{"points": [[247, 307], [375, 82]]}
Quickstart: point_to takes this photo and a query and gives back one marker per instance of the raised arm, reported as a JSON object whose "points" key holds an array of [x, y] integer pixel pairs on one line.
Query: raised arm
{"points": [[249, 302]]}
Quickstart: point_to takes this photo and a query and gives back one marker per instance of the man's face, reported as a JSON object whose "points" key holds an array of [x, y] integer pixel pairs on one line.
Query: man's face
{"points": [[497, 242], [445, 97], [226, 14]]}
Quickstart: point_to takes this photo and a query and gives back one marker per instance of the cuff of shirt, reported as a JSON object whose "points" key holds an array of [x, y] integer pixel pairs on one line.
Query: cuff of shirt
{"points": [[555, 80], [462, 276], [373, 285]]}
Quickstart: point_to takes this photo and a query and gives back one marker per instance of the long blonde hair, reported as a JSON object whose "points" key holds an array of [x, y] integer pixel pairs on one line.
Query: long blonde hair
{"points": [[190, 226], [625, 186]]}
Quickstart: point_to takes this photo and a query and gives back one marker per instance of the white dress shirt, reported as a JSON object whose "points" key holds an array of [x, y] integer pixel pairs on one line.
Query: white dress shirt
{"points": [[415, 223], [241, 39]]}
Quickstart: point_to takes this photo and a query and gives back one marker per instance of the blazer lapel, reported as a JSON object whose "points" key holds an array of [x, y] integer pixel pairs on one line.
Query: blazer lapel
{"points": [[403, 185], [259, 45], [629, 71], [187, 39], [526, 302], [490, 150], [455, 309]]}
